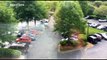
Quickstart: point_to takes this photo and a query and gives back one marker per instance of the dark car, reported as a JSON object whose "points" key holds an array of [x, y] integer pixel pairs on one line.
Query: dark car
{"points": [[20, 33], [99, 37], [92, 39]]}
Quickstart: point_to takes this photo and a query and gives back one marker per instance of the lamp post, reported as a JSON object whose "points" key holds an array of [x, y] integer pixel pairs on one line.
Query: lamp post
{"points": [[87, 30]]}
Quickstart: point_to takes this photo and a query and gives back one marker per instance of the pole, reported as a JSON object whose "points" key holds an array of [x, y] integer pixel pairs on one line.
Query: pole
{"points": [[87, 31]]}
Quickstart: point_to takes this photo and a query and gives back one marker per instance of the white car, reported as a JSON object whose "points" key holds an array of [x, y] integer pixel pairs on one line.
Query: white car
{"points": [[104, 35], [100, 27], [104, 20], [94, 25]]}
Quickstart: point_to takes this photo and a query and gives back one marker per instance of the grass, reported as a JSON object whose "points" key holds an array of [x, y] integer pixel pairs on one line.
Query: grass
{"points": [[94, 30]]}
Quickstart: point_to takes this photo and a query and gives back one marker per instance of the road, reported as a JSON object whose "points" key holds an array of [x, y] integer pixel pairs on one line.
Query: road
{"points": [[45, 47]]}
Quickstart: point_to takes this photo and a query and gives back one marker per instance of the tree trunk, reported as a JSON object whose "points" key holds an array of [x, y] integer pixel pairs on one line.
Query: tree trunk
{"points": [[35, 22], [68, 42], [27, 24]]}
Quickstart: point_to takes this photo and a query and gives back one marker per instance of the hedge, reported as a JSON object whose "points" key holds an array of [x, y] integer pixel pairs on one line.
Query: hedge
{"points": [[9, 53]]}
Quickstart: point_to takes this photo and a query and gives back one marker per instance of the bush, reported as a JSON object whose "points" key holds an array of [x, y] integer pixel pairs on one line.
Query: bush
{"points": [[74, 43], [9, 53], [63, 43], [92, 16]]}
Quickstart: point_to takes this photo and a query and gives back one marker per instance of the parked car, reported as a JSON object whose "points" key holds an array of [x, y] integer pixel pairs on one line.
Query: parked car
{"points": [[20, 33], [105, 28], [99, 37], [104, 35], [102, 20], [100, 27], [32, 36], [24, 39], [94, 25], [92, 39], [23, 47]]}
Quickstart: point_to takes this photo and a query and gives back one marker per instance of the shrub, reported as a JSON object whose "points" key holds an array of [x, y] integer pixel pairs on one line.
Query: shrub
{"points": [[63, 43], [92, 16], [74, 43], [9, 53]]}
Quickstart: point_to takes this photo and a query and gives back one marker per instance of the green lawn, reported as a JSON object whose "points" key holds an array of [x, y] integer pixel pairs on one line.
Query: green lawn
{"points": [[91, 31], [94, 30]]}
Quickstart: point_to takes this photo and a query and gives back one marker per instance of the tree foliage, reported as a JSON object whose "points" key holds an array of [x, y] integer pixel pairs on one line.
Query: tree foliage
{"points": [[6, 13], [30, 10], [69, 16], [85, 7], [7, 17], [97, 3], [101, 11]]}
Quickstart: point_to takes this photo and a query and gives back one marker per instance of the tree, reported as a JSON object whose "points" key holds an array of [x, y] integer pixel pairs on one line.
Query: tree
{"points": [[30, 10], [7, 18], [101, 12], [40, 10], [85, 7], [69, 17], [97, 3]]}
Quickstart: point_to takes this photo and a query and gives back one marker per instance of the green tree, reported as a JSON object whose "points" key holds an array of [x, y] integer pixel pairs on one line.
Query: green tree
{"points": [[101, 12], [97, 3], [85, 7], [31, 10], [69, 17], [7, 17]]}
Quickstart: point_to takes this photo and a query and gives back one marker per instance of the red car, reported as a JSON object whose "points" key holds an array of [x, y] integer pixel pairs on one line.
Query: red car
{"points": [[24, 39]]}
